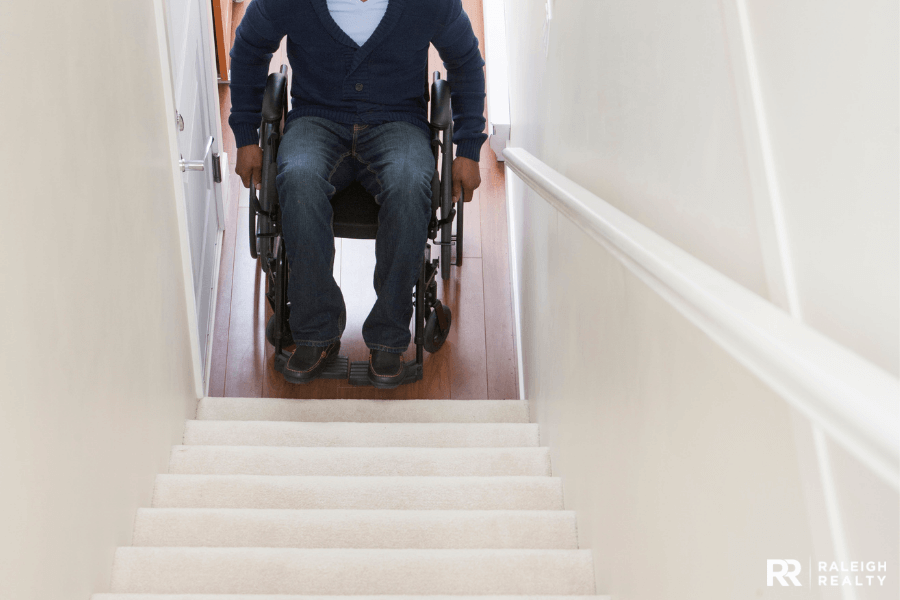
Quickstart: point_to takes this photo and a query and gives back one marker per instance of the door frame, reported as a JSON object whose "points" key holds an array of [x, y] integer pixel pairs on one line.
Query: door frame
{"points": [[201, 378]]}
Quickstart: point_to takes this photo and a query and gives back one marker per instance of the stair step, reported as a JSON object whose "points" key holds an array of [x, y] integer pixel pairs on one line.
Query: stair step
{"points": [[410, 493], [393, 435], [426, 529], [364, 411], [295, 597], [348, 571], [266, 460]]}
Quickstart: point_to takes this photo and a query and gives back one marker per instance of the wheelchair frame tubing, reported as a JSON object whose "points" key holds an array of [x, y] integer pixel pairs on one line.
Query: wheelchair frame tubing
{"points": [[446, 199], [269, 139], [420, 310], [280, 294], [264, 211], [459, 228]]}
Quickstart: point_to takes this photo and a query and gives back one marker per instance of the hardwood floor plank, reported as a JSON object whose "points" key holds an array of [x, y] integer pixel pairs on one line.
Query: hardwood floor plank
{"points": [[474, 9], [228, 144], [246, 332], [436, 382], [464, 294], [279, 57], [219, 353], [471, 227], [357, 267], [435, 64], [336, 268], [237, 13], [488, 158], [498, 319]]}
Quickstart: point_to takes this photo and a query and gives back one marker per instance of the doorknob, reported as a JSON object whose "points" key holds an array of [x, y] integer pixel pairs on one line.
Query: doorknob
{"points": [[189, 165], [195, 165]]}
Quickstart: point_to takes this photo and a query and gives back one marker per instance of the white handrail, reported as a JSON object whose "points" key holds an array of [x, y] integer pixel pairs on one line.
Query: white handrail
{"points": [[856, 403]]}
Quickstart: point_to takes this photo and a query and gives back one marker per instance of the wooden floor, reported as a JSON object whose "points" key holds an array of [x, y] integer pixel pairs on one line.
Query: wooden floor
{"points": [[478, 361]]}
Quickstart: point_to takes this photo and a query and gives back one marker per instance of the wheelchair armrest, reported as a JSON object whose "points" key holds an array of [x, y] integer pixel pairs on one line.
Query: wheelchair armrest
{"points": [[275, 97], [441, 115]]}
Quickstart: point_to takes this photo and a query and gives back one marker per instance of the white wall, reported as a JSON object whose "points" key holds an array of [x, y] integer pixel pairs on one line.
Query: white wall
{"points": [[687, 473], [680, 465], [635, 102], [95, 362], [638, 103], [829, 80]]}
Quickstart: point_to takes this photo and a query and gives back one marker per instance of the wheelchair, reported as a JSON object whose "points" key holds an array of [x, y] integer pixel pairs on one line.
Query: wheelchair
{"points": [[356, 216]]}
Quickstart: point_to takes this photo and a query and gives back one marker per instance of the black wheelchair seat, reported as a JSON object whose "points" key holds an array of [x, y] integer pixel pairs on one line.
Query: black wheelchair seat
{"points": [[355, 213]]}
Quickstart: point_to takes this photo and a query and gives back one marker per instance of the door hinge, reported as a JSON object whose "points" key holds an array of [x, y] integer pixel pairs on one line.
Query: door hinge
{"points": [[217, 168]]}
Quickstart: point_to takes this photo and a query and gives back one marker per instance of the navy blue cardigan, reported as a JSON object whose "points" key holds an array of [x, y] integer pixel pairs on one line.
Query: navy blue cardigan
{"points": [[381, 81]]}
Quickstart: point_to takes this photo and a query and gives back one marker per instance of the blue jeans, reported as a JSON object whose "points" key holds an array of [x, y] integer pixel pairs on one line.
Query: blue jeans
{"points": [[394, 163]]}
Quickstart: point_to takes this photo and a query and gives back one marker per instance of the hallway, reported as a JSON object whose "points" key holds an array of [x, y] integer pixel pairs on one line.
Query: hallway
{"points": [[478, 360]]}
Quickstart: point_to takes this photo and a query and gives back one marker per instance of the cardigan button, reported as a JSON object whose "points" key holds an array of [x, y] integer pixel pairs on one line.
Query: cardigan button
{"points": [[359, 87]]}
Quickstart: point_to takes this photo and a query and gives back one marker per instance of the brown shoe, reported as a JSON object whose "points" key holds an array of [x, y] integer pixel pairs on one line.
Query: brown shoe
{"points": [[308, 362]]}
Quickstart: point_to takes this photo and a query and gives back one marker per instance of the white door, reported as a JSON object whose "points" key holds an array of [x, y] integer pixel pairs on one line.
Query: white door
{"points": [[197, 121]]}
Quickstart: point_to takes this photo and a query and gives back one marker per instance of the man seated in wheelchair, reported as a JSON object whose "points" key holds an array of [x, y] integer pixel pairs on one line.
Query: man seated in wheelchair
{"points": [[358, 113]]}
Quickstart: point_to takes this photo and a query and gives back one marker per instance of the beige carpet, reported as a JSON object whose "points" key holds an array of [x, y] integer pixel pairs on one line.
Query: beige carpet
{"points": [[346, 499]]}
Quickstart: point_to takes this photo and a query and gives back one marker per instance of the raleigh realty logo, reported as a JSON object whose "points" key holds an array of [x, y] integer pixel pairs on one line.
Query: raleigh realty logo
{"points": [[783, 571], [855, 573]]}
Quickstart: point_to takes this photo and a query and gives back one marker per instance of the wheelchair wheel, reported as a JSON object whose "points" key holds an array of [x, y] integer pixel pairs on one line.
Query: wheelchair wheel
{"points": [[434, 335]]}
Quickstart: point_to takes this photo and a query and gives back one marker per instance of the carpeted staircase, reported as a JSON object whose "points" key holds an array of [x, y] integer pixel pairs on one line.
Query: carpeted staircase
{"points": [[304, 498]]}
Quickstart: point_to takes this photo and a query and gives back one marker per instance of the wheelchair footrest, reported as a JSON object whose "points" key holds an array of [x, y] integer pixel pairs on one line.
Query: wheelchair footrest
{"points": [[336, 368], [359, 373]]}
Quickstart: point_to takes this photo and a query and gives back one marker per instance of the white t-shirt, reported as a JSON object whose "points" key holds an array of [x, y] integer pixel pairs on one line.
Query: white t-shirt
{"points": [[358, 19]]}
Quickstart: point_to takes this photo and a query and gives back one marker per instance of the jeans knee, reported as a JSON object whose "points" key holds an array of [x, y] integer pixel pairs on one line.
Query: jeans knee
{"points": [[408, 185], [300, 173], [304, 191]]}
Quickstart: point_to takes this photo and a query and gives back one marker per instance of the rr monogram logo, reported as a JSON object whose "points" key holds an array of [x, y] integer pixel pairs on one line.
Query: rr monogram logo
{"points": [[782, 570]]}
